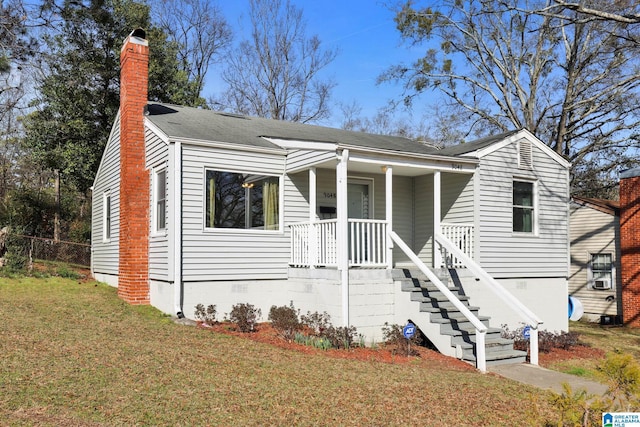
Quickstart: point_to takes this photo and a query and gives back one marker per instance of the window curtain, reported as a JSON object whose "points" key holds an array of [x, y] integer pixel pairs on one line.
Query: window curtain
{"points": [[211, 208], [270, 204]]}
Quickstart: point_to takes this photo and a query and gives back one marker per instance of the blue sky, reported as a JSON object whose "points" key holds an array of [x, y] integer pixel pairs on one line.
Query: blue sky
{"points": [[364, 33]]}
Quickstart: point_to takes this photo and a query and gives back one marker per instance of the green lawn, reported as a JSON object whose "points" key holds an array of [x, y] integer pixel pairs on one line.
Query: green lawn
{"points": [[74, 354]]}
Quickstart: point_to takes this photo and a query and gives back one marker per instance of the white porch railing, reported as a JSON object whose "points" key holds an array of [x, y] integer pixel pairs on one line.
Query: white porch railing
{"points": [[315, 244], [462, 236]]}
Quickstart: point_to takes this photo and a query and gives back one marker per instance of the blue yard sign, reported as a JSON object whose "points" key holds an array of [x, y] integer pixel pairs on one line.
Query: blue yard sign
{"points": [[409, 330], [526, 332]]}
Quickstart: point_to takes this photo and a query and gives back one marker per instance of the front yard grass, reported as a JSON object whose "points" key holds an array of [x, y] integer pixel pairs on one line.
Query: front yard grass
{"points": [[74, 354]]}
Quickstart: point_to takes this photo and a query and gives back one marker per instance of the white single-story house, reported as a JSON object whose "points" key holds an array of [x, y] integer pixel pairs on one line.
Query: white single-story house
{"points": [[595, 277], [196, 206]]}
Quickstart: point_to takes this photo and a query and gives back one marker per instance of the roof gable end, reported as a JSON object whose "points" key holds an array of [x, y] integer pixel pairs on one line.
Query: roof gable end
{"points": [[520, 135]]}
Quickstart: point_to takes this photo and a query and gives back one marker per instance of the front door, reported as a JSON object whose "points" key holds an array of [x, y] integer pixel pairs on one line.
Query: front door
{"points": [[358, 200], [358, 203]]}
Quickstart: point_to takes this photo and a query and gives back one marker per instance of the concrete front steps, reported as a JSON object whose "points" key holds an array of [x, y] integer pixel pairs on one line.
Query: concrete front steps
{"points": [[457, 336]]}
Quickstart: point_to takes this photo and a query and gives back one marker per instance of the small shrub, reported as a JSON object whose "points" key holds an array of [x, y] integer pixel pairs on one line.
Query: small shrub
{"points": [[206, 315], [341, 337], [575, 407], [245, 316], [394, 338], [15, 262], [316, 322], [547, 340], [285, 321], [622, 374], [68, 273]]}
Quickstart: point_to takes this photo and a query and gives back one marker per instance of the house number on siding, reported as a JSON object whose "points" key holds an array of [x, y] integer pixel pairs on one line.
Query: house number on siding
{"points": [[456, 166], [329, 195]]}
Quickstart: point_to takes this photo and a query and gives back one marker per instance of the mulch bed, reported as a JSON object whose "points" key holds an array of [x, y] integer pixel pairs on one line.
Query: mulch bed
{"points": [[266, 334]]}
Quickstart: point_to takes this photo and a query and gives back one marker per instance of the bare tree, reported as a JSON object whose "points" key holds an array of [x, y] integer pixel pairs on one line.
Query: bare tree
{"points": [[624, 12], [201, 31], [276, 73], [574, 83]]}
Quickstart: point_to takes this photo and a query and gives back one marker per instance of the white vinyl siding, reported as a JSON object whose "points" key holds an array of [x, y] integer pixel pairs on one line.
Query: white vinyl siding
{"points": [[505, 253], [296, 193], [303, 159], [457, 204], [423, 217], [593, 232], [157, 156], [105, 252], [228, 254]]}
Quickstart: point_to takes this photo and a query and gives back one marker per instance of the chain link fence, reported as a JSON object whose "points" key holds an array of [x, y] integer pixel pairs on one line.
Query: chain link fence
{"points": [[37, 248]]}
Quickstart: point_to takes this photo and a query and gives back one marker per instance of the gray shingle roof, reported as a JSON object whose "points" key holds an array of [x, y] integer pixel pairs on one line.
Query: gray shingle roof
{"points": [[457, 150], [207, 125]]}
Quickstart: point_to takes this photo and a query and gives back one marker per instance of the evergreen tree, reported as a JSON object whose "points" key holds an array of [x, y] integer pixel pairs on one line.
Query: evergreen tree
{"points": [[79, 92]]}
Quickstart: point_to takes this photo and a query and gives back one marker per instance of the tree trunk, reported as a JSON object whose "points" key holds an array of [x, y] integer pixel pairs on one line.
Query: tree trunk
{"points": [[56, 217]]}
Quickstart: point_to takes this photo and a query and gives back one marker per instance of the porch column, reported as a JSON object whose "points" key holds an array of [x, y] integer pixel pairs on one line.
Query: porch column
{"points": [[437, 212], [342, 231], [388, 174], [313, 232]]}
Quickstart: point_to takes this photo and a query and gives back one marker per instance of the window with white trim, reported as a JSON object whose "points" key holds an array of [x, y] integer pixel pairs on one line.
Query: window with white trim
{"points": [[106, 218], [601, 271], [244, 201], [524, 215], [160, 200]]}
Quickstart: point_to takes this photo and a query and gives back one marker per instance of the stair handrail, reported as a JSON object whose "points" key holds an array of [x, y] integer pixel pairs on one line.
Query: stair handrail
{"points": [[528, 315], [481, 328]]}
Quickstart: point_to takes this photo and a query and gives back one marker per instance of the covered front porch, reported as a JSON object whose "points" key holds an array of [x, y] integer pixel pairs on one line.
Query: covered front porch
{"points": [[356, 200], [370, 215]]}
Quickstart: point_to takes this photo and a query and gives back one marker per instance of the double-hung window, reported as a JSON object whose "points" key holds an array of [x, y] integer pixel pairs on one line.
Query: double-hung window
{"points": [[106, 211], [524, 214], [160, 203], [241, 201], [601, 271]]}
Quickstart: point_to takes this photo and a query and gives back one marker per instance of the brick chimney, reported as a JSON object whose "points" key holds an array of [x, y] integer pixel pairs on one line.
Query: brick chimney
{"points": [[133, 281], [630, 245]]}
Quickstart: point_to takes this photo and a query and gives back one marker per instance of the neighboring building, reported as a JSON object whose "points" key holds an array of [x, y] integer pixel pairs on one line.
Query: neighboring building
{"points": [[595, 276], [194, 206], [630, 245]]}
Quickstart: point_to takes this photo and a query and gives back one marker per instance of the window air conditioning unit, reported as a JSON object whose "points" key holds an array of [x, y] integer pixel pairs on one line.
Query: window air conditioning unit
{"points": [[602, 284]]}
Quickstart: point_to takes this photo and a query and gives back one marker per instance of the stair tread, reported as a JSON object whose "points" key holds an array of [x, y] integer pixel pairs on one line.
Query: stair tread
{"points": [[407, 287], [435, 296], [451, 309], [492, 341], [501, 355], [462, 319], [471, 331]]}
